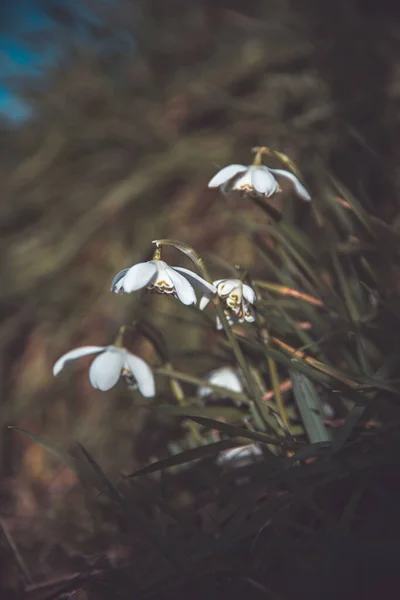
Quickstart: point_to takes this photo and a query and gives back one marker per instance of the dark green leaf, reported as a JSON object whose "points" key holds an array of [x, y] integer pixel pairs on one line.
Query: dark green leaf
{"points": [[185, 457], [235, 431], [310, 407]]}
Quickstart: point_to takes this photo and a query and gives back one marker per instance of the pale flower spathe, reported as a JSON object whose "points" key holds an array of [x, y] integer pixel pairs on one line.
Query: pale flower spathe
{"points": [[107, 368], [258, 180], [157, 275]]}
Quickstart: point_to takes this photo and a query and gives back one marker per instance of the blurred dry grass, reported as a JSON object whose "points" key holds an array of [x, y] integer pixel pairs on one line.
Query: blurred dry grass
{"points": [[120, 154]]}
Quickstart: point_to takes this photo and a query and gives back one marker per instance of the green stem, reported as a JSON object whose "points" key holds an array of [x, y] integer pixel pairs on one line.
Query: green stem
{"points": [[273, 371]]}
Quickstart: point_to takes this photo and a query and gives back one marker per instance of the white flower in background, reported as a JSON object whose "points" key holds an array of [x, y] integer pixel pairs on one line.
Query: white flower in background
{"points": [[226, 377], [107, 368], [240, 457], [328, 411], [156, 275], [256, 179], [237, 298]]}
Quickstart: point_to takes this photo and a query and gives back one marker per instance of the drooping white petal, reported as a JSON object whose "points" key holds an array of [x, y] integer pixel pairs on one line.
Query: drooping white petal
{"points": [[204, 301], [117, 282], [244, 183], [226, 286], [138, 276], [225, 175], [249, 293], [105, 370], [183, 288], [299, 187], [142, 373], [196, 280], [74, 354], [263, 181]]}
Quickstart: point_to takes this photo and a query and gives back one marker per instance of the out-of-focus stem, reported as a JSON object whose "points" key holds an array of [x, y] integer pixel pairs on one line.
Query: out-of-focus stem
{"points": [[277, 390]]}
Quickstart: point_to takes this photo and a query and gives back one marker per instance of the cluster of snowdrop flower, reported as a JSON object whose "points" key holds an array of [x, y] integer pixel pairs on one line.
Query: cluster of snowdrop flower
{"points": [[157, 276], [237, 298]]}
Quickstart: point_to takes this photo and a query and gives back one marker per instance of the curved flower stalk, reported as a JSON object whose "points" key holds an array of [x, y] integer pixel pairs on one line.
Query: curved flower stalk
{"points": [[226, 377], [156, 275], [237, 299], [107, 368], [256, 179]]}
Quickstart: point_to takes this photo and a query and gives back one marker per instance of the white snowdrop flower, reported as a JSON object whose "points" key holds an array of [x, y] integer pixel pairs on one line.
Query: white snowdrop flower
{"points": [[241, 456], [156, 275], [226, 377], [256, 179], [237, 298], [107, 368]]}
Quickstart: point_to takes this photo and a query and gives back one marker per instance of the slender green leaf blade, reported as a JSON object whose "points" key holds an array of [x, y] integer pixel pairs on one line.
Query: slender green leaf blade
{"points": [[185, 457], [235, 431], [309, 406]]}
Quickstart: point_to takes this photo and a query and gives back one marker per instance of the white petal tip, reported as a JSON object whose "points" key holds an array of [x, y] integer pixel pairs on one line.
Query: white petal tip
{"points": [[302, 192], [142, 373], [116, 284], [74, 354], [299, 188], [204, 301], [58, 367], [225, 174], [211, 184]]}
